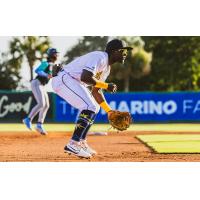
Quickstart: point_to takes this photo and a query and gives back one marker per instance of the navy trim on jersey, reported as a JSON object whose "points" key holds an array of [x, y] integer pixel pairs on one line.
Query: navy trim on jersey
{"points": [[88, 68], [74, 92]]}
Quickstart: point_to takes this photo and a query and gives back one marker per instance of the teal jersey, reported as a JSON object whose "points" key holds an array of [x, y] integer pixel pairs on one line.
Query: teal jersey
{"points": [[44, 67], [43, 70]]}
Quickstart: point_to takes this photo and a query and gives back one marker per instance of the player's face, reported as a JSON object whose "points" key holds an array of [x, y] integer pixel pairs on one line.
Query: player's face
{"points": [[120, 55], [54, 57]]}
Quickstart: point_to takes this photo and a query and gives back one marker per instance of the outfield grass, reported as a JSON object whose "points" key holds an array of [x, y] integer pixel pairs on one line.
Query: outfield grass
{"points": [[105, 127]]}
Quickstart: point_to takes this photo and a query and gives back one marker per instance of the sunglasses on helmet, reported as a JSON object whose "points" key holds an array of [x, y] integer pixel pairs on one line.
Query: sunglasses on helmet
{"points": [[123, 51]]}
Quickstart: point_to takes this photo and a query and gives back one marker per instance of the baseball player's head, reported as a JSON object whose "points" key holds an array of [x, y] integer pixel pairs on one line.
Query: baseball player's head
{"points": [[117, 50], [52, 54]]}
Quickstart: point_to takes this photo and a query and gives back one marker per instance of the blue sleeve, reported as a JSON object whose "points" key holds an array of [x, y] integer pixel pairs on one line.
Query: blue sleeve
{"points": [[41, 69]]}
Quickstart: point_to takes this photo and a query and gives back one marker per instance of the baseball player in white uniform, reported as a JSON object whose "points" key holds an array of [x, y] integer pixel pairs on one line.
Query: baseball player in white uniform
{"points": [[71, 84]]}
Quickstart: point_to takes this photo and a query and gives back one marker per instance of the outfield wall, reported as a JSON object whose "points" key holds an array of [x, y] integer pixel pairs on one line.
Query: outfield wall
{"points": [[144, 107], [14, 106]]}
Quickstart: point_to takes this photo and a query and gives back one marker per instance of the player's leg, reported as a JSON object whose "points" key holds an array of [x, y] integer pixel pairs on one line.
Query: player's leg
{"points": [[83, 139], [79, 97], [42, 113], [84, 134], [85, 120], [36, 88], [87, 131], [86, 116]]}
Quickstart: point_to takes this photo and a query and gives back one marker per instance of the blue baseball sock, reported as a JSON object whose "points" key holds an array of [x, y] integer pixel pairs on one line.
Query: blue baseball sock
{"points": [[83, 136], [84, 120]]}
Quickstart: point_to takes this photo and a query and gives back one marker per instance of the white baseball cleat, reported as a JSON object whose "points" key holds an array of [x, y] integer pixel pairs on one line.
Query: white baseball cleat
{"points": [[87, 148], [39, 128], [76, 149]]}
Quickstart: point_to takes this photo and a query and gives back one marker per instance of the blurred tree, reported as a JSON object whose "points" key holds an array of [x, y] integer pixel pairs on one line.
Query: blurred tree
{"points": [[118, 72], [86, 45], [31, 48], [176, 64], [9, 74]]}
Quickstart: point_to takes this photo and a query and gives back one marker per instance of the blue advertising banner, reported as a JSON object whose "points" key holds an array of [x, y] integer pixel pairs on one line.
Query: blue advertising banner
{"points": [[144, 107]]}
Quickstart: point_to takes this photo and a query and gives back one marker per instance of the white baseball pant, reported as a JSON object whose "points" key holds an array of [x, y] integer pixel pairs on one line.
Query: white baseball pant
{"points": [[74, 92]]}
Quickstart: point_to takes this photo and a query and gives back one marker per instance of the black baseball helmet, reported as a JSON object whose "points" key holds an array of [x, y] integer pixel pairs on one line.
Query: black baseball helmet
{"points": [[117, 44], [51, 51]]}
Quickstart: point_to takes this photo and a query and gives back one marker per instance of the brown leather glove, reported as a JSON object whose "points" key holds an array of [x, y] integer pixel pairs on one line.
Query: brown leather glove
{"points": [[119, 120], [56, 68]]}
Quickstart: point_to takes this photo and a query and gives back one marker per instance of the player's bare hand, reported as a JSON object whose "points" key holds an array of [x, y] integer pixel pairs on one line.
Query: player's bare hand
{"points": [[112, 87], [49, 76], [109, 113]]}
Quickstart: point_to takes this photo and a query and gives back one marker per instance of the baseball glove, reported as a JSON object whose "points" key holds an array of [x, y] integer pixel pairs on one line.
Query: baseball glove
{"points": [[56, 69], [119, 120]]}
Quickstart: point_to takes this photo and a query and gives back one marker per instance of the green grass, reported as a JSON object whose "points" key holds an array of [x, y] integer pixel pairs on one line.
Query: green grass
{"points": [[172, 143], [105, 127], [50, 127]]}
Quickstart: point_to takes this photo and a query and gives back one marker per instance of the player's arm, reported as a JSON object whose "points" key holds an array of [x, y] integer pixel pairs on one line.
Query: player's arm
{"points": [[100, 99], [98, 95], [41, 70], [88, 78]]}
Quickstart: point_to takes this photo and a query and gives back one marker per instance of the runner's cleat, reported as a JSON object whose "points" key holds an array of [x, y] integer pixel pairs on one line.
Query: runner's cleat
{"points": [[27, 122], [39, 128]]}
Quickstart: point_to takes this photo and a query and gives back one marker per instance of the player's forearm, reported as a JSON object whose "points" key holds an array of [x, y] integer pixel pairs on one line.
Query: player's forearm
{"points": [[100, 99], [42, 73], [98, 95]]}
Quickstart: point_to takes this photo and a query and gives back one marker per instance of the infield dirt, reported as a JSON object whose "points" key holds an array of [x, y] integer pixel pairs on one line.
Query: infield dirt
{"points": [[115, 147]]}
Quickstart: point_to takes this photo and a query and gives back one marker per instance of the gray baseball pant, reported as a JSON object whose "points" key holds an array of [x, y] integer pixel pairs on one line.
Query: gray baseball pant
{"points": [[42, 100]]}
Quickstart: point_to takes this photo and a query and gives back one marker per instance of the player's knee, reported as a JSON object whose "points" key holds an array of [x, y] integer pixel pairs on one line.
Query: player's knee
{"points": [[47, 105], [41, 105], [97, 109], [94, 108]]}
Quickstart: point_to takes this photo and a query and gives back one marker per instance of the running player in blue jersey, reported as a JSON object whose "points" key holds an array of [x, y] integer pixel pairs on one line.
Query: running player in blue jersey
{"points": [[44, 74]]}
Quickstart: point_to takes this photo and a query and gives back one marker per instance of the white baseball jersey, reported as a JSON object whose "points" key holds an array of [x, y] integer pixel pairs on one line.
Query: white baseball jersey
{"points": [[69, 86], [95, 62]]}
